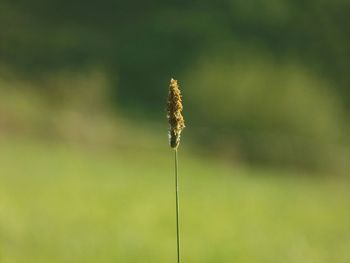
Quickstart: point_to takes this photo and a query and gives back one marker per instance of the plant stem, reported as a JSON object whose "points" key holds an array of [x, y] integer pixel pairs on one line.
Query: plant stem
{"points": [[177, 208]]}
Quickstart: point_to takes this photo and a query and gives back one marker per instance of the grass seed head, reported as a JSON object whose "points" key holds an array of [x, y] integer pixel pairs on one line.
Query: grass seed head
{"points": [[175, 118]]}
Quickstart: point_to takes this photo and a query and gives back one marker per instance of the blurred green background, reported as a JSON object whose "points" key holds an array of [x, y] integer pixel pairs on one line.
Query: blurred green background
{"points": [[86, 173]]}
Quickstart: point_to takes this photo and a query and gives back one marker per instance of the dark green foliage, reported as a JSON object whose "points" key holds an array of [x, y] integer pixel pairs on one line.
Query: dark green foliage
{"points": [[145, 42]]}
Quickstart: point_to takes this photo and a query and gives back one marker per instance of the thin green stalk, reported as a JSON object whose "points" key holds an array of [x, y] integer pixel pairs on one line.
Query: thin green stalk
{"points": [[177, 208]]}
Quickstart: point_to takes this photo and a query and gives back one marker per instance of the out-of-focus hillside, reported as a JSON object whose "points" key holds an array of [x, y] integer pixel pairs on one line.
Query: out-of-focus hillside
{"points": [[263, 81]]}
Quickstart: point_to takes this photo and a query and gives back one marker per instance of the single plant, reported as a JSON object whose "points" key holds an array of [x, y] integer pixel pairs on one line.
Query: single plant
{"points": [[177, 124]]}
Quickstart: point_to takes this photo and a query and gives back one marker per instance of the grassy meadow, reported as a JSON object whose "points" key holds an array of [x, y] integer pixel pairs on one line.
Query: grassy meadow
{"points": [[86, 173], [74, 203]]}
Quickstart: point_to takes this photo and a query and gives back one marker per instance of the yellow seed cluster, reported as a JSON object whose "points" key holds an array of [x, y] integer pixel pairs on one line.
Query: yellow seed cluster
{"points": [[175, 118]]}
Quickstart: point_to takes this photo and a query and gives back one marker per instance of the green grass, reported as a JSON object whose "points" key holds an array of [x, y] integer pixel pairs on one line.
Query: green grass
{"points": [[60, 203]]}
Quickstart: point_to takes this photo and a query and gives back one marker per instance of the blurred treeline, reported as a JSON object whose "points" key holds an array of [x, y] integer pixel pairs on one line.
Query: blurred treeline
{"points": [[263, 81]]}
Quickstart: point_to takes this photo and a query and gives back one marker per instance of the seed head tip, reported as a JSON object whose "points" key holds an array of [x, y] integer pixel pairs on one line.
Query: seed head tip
{"points": [[174, 114]]}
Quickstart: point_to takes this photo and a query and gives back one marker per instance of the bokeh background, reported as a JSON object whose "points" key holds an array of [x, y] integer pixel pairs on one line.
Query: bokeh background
{"points": [[86, 173]]}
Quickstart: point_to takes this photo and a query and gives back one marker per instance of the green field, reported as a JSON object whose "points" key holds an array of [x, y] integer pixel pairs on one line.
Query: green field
{"points": [[66, 203]]}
